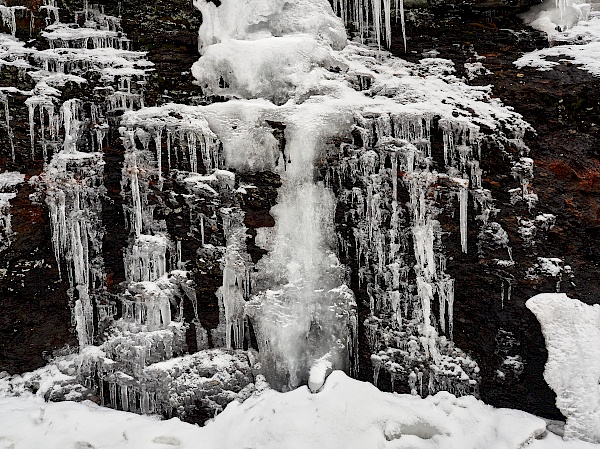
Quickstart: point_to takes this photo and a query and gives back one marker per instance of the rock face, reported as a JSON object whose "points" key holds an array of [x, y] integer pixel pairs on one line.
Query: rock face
{"points": [[529, 247]]}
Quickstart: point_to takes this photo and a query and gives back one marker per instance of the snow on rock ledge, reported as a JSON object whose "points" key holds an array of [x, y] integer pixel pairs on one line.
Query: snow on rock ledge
{"points": [[572, 332]]}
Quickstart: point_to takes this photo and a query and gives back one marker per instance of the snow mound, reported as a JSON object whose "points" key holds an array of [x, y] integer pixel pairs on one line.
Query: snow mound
{"points": [[345, 414], [572, 332]]}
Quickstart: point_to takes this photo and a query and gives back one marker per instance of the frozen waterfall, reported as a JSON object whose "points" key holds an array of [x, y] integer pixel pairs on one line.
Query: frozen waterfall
{"points": [[379, 168]]}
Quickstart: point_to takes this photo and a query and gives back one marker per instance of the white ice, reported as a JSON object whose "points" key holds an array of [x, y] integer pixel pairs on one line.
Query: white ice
{"points": [[572, 333]]}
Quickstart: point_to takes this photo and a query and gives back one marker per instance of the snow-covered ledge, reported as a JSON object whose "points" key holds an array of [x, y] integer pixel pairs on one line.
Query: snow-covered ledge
{"points": [[572, 332]]}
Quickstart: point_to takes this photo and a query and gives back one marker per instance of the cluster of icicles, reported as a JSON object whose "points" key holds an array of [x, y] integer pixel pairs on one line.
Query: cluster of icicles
{"points": [[372, 15]]}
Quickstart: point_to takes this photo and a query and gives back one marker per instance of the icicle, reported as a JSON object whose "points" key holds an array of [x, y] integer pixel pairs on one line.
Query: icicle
{"points": [[442, 304], [8, 18], [180, 264], [169, 149], [377, 20], [31, 108], [9, 132], [402, 21], [387, 7], [146, 259], [463, 194], [158, 144], [137, 202], [376, 362], [450, 301]]}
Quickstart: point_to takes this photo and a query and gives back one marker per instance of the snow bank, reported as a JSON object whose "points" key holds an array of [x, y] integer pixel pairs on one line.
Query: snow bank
{"points": [[572, 332], [347, 414]]}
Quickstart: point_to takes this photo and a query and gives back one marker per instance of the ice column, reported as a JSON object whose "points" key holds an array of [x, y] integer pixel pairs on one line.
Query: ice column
{"points": [[236, 279], [302, 310], [9, 182], [74, 186]]}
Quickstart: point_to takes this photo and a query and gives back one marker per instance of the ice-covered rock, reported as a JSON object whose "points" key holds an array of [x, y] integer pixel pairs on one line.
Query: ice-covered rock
{"points": [[268, 18], [572, 333]]}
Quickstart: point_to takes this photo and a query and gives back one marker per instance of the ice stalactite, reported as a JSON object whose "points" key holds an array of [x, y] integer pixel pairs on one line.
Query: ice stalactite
{"points": [[522, 171], [64, 36], [139, 170], [5, 219], [235, 290], [9, 19], [463, 195], [48, 120], [52, 11], [188, 140], [74, 186], [9, 132], [372, 16], [146, 259]]}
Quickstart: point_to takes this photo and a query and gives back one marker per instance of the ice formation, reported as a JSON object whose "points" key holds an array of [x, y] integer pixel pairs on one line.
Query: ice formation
{"points": [[372, 17], [74, 182], [572, 332], [9, 182], [394, 122], [9, 16], [72, 135]]}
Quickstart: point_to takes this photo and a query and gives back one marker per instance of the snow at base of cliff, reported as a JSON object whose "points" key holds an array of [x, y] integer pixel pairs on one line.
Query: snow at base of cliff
{"points": [[345, 414]]}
